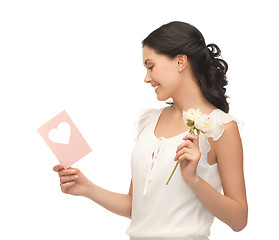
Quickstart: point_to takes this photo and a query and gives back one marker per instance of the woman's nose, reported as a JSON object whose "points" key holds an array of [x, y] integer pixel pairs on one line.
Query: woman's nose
{"points": [[147, 78]]}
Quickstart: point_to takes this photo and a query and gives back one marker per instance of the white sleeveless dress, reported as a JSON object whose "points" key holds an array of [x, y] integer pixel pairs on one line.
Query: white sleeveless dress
{"points": [[173, 211]]}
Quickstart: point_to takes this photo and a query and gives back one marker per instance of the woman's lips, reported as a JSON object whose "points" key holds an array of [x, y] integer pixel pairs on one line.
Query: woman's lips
{"points": [[156, 88]]}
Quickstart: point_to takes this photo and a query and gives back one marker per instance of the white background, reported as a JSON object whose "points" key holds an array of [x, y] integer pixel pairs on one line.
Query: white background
{"points": [[86, 57]]}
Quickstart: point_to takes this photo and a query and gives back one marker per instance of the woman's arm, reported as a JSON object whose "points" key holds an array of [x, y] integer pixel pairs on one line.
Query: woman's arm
{"points": [[73, 182], [117, 203], [231, 208]]}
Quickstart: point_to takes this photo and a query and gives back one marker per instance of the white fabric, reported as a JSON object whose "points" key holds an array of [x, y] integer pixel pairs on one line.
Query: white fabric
{"points": [[170, 211]]}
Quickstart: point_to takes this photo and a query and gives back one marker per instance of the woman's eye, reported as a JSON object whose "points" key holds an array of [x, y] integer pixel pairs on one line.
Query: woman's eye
{"points": [[151, 67]]}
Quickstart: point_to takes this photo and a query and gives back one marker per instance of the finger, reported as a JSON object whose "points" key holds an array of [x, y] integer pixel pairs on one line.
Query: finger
{"points": [[193, 138], [190, 144], [65, 186], [186, 143], [181, 152], [57, 167], [190, 156], [69, 178], [66, 172], [190, 136], [185, 156]]}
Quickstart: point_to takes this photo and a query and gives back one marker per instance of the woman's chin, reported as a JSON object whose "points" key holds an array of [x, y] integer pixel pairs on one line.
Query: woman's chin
{"points": [[162, 98]]}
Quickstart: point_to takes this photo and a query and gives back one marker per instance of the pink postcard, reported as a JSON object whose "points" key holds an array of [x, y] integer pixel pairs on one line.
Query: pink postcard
{"points": [[64, 139]]}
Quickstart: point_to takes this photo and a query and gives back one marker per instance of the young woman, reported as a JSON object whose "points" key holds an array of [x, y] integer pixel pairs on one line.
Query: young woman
{"points": [[182, 67]]}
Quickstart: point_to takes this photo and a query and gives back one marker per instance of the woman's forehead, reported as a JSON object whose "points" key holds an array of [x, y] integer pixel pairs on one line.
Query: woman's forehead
{"points": [[148, 54]]}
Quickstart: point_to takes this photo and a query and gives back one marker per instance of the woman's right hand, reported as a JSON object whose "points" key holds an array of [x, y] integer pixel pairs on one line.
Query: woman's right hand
{"points": [[72, 181]]}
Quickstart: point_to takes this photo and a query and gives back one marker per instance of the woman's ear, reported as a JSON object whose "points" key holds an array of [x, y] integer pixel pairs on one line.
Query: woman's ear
{"points": [[181, 62]]}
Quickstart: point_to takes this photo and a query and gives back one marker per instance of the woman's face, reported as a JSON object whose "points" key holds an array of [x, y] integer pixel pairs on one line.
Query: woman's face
{"points": [[161, 70]]}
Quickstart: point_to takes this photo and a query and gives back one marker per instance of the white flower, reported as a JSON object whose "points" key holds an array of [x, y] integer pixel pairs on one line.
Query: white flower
{"points": [[205, 124], [199, 122], [191, 114]]}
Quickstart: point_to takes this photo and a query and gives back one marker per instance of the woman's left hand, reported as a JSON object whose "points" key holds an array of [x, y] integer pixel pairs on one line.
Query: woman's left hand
{"points": [[188, 155]]}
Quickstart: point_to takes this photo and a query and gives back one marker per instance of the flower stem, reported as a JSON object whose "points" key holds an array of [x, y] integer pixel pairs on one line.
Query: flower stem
{"points": [[172, 173]]}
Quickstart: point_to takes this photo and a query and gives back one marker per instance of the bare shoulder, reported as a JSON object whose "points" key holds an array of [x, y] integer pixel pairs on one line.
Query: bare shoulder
{"points": [[230, 137]]}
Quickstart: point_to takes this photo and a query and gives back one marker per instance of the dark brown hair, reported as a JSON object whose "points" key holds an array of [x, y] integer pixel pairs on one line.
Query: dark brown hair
{"points": [[210, 71]]}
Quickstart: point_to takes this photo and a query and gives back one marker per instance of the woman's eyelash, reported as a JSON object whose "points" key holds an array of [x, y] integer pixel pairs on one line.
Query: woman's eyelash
{"points": [[151, 67]]}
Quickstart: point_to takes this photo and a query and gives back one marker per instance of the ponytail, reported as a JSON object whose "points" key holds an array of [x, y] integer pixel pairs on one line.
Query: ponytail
{"points": [[213, 79]]}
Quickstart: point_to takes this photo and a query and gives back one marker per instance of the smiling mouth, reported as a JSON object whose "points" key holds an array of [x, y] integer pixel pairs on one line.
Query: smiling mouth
{"points": [[156, 88]]}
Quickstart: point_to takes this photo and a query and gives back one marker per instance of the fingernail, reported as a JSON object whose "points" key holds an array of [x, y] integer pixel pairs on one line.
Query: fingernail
{"points": [[73, 171]]}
